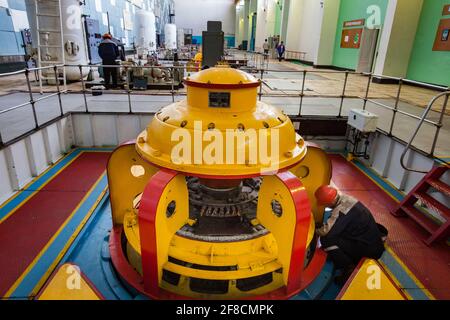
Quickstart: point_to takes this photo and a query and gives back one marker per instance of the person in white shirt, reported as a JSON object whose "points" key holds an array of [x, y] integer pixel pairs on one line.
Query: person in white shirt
{"points": [[266, 48]]}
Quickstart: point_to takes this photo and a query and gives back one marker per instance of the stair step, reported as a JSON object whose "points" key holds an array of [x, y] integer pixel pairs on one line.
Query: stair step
{"points": [[421, 219], [433, 204], [440, 186]]}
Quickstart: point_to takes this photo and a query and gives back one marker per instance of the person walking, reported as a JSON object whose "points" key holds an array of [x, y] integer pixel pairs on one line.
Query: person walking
{"points": [[109, 52], [266, 48], [281, 49]]}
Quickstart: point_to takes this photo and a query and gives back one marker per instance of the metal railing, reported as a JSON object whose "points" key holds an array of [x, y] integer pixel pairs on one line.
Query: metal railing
{"points": [[421, 122], [32, 102], [295, 55], [261, 72], [257, 60], [127, 70]]}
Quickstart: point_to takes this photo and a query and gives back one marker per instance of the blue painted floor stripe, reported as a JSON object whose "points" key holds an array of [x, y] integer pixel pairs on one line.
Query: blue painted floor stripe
{"points": [[386, 186], [33, 277], [45, 261], [403, 277]]}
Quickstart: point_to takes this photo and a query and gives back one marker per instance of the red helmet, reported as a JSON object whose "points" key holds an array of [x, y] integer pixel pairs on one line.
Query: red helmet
{"points": [[107, 36], [326, 195]]}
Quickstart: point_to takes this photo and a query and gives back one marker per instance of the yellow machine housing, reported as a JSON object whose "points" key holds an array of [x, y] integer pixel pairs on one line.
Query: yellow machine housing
{"points": [[228, 227]]}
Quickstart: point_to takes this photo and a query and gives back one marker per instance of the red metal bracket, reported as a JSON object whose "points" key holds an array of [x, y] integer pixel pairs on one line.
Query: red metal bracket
{"points": [[303, 217], [147, 229]]}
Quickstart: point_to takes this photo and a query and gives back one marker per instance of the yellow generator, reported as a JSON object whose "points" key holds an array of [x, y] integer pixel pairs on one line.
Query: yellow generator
{"points": [[215, 199]]}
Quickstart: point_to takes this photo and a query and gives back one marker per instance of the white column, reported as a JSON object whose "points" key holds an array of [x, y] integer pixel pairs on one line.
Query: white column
{"points": [[261, 23], [293, 25], [285, 18], [397, 37], [271, 11], [327, 39], [311, 29], [240, 24]]}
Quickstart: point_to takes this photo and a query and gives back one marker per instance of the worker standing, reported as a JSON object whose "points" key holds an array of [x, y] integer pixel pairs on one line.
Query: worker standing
{"points": [[281, 48], [109, 52], [350, 233], [266, 48]]}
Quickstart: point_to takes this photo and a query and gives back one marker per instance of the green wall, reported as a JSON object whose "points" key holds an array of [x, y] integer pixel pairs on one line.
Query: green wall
{"points": [[353, 10], [425, 64]]}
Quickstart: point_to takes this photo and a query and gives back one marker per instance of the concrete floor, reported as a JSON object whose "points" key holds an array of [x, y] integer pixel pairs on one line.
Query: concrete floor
{"points": [[17, 122]]}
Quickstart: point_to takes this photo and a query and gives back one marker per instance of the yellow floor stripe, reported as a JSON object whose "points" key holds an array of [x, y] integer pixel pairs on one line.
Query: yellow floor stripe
{"points": [[379, 185], [394, 278], [68, 244]]}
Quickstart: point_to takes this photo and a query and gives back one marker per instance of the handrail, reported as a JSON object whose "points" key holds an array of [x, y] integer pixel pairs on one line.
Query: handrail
{"points": [[6, 74], [46, 67], [303, 71], [422, 120]]}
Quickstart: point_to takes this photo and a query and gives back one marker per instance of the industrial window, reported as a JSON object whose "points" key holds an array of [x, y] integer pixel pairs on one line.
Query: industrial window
{"points": [[219, 99]]}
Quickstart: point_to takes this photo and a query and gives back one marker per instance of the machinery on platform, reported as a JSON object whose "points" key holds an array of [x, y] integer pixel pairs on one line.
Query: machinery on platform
{"points": [[241, 227], [156, 76], [213, 44], [362, 125], [145, 33], [170, 36], [56, 40], [146, 74]]}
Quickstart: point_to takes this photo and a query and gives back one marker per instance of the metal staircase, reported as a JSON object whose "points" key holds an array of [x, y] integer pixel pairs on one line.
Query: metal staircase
{"points": [[50, 40], [431, 181]]}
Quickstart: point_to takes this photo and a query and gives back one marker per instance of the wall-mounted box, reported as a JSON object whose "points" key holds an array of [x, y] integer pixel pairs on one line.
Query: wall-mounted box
{"points": [[362, 120], [351, 38]]}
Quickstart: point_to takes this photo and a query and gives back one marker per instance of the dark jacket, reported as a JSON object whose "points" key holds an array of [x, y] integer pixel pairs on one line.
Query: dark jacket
{"points": [[281, 49], [352, 220], [108, 51]]}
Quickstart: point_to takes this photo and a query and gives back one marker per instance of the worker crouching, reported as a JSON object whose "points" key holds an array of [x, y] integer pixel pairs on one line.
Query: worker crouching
{"points": [[350, 234]]}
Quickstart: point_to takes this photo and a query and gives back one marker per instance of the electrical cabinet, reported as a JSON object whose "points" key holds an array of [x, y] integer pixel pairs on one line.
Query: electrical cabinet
{"points": [[94, 38], [362, 120]]}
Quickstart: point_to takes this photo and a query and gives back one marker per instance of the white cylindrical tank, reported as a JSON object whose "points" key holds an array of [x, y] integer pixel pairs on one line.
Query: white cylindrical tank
{"points": [[73, 41], [170, 36], [75, 48], [180, 37], [145, 32]]}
